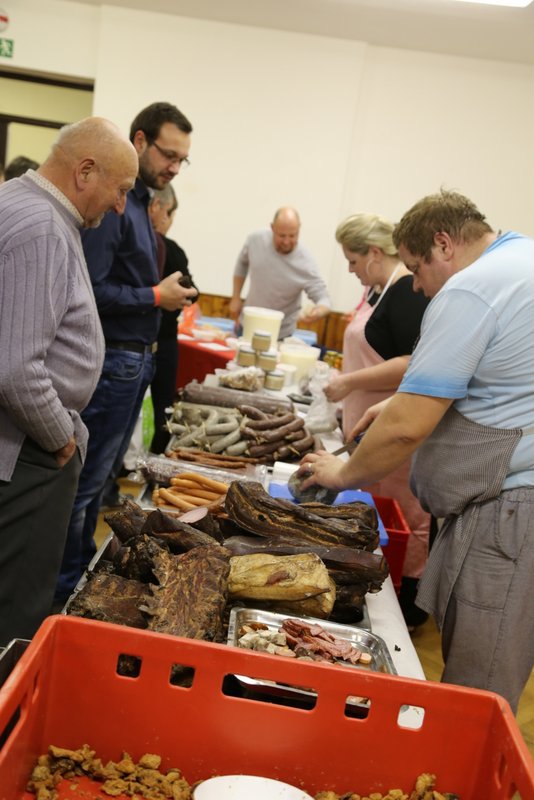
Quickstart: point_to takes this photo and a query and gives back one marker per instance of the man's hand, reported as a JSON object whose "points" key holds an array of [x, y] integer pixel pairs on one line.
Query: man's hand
{"points": [[313, 313], [337, 388], [173, 296], [65, 453], [234, 307], [321, 468], [370, 415]]}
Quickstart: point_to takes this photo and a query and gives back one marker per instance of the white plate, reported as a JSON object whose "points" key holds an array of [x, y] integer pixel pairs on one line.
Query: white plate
{"points": [[245, 787]]}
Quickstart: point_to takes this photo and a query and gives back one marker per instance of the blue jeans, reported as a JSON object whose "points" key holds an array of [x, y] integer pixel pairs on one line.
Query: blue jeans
{"points": [[110, 417]]}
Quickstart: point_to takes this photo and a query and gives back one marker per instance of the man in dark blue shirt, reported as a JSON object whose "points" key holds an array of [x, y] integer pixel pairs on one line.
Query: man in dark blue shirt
{"points": [[122, 261]]}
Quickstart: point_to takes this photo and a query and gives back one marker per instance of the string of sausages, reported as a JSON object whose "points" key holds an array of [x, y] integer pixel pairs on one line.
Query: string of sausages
{"points": [[246, 432]]}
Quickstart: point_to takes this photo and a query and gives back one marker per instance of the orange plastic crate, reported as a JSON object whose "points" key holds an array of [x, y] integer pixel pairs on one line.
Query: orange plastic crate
{"points": [[65, 690], [398, 533]]}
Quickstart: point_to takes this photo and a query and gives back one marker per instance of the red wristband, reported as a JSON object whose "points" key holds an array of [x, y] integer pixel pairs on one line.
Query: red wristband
{"points": [[157, 295]]}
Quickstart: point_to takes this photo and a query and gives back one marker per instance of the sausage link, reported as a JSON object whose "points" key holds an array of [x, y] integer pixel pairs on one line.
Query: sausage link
{"points": [[252, 412], [272, 421], [258, 450], [281, 433], [238, 448], [225, 441], [226, 425], [303, 444], [294, 437]]}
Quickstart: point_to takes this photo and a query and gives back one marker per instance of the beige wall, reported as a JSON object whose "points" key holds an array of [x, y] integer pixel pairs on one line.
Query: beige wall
{"points": [[328, 125], [39, 101]]}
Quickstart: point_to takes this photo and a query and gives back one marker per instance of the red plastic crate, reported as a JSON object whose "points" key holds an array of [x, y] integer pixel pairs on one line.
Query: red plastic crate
{"points": [[398, 532], [65, 690]]}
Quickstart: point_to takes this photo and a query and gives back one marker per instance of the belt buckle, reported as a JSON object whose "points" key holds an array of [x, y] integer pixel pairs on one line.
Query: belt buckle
{"points": [[154, 348]]}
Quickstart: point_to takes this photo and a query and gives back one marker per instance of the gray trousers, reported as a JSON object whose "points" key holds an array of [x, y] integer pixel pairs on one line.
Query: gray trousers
{"points": [[35, 508], [488, 630]]}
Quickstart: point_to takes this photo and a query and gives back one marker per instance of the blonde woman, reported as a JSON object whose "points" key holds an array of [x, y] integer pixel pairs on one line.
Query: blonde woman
{"points": [[377, 345]]}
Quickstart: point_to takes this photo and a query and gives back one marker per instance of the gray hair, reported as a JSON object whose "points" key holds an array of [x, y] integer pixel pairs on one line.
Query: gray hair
{"points": [[165, 196], [359, 232]]}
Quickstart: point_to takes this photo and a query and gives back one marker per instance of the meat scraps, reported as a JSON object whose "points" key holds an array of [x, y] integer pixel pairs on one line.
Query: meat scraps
{"points": [[303, 638]]}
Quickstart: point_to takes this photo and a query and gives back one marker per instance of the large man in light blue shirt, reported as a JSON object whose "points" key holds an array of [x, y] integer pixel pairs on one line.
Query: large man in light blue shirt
{"points": [[466, 409]]}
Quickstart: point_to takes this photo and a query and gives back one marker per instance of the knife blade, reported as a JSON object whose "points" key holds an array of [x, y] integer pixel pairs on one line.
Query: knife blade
{"points": [[350, 446]]}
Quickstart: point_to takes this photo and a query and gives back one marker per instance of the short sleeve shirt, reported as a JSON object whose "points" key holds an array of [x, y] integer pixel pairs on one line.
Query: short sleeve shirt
{"points": [[477, 346]]}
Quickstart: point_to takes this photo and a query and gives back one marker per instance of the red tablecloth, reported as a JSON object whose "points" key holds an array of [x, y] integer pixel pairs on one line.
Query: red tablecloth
{"points": [[198, 359]]}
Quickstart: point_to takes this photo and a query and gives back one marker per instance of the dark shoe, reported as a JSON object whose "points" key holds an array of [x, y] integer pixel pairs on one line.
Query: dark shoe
{"points": [[413, 615]]}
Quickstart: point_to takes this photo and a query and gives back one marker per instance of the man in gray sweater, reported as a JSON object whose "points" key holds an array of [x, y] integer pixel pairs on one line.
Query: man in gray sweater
{"points": [[51, 354], [279, 269]]}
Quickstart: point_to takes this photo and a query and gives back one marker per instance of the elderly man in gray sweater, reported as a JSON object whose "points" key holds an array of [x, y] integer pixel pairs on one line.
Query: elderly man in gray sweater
{"points": [[51, 354]]}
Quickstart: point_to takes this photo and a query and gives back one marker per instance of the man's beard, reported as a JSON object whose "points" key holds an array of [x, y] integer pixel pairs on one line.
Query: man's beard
{"points": [[151, 179]]}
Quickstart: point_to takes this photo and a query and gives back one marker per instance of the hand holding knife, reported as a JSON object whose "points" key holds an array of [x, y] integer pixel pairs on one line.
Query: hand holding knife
{"points": [[350, 446]]}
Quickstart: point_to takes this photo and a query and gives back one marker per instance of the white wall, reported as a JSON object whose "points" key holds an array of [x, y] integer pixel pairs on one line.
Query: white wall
{"points": [[53, 36], [327, 125]]}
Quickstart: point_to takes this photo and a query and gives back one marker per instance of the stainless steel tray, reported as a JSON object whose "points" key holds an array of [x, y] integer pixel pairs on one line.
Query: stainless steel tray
{"points": [[361, 638]]}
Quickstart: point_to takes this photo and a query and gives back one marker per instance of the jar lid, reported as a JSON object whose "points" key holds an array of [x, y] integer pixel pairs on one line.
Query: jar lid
{"points": [[246, 348], [263, 334]]}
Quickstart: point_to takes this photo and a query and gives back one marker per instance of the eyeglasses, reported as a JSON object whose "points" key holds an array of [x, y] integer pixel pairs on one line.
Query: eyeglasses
{"points": [[171, 157]]}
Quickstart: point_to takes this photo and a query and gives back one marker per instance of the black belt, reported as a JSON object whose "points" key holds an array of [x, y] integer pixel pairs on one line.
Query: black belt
{"points": [[133, 347]]}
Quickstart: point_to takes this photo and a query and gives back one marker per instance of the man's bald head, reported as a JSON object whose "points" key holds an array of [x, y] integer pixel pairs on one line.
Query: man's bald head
{"points": [[285, 227], [94, 137], [94, 164]]}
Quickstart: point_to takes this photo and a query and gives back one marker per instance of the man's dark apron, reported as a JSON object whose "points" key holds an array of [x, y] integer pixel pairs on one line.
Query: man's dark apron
{"points": [[461, 465]]}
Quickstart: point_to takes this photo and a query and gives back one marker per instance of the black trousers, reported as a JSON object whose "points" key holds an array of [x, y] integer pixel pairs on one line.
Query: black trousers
{"points": [[163, 390], [35, 508]]}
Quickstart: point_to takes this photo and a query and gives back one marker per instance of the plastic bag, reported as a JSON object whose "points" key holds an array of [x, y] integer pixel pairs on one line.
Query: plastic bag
{"points": [[248, 379], [322, 414], [188, 318]]}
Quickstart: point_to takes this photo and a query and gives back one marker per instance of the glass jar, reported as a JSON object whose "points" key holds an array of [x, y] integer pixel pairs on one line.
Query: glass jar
{"points": [[246, 357], [261, 341], [274, 380], [267, 360]]}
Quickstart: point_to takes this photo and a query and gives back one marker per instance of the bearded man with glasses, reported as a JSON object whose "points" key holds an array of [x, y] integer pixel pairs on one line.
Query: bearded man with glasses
{"points": [[130, 293]]}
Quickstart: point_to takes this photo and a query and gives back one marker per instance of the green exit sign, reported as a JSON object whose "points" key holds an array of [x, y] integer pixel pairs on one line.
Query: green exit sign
{"points": [[6, 48]]}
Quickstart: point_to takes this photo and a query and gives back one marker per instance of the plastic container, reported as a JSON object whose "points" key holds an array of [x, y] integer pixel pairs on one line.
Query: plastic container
{"points": [[66, 690], [261, 319], [289, 371], [302, 357], [398, 534], [222, 323], [310, 337]]}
